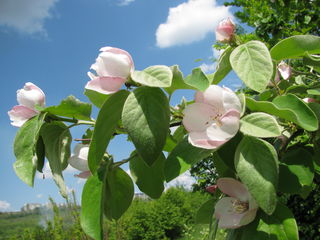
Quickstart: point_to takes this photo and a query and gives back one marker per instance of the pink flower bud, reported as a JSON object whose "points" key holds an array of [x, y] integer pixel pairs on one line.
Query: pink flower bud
{"points": [[285, 70], [225, 30], [79, 159], [211, 189], [30, 96], [309, 100], [113, 66]]}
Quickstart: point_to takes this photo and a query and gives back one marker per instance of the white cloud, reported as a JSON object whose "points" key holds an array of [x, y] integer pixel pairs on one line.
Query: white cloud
{"points": [[211, 67], [189, 22], [125, 2], [39, 195], [25, 16], [4, 205], [185, 180]]}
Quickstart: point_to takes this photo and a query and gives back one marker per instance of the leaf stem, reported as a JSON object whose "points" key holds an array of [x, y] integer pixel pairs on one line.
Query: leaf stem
{"points": [[117, 164]]}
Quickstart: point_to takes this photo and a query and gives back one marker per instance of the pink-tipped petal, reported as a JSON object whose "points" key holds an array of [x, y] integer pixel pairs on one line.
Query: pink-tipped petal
{"points": [[226, 128], [213, 96], [30, 95], [198, 116], [225, 30], [201, 140], [233, 188], [230, 100], [20, 114], [84, 174], [105, 85]]}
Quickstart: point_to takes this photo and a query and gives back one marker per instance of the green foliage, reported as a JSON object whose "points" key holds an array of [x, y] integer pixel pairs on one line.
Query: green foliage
{"points": [[154, 76]]}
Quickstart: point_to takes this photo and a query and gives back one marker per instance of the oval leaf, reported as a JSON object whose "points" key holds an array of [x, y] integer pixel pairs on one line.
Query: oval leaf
{"points": [[182, 157], [91, 208], [253, 64], [149, 179], [260, 125], [197, 79], [95, 97], [257, 166], [296, 46], [146, 116], [177, 81], [223, 67], [288, 107], [118, 193], [154, 76], [108, 117]]}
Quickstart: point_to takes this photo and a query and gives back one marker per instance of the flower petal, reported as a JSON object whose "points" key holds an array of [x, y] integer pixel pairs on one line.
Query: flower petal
{"points": [[234, 188], [230, 100], [105, 85], [84, 174], [224, 207], [20, 114], [30, 95], [226, 128], [285, 70], [198, 116], [213, 96], [79, 160], [248, 217], [230, 221], [201, 140]]}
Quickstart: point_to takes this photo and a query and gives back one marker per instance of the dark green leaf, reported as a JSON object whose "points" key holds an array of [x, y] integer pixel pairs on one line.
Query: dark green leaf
{"points": [[149, 179], [295, 47], [71, 107], [256, 163], [205, 212], [119, 191], [41, 154], [223, 67], [182, 157], [146, 116], [108, 117]]}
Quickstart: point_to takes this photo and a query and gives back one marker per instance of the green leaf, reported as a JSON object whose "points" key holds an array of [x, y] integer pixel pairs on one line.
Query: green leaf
{"points": [[71, 107], [57, 140], [41, 154], [281, 225], [288, 107], [149, 179], [315, 91], [177, 81], [197, 79], [119, 191], [95, 97], [146, 116], [24, 148], [295, 47], [260, 125], [108, 117], [257, 166], [223, 67], [296, 171], [170, 143], [154, 76], [182, 157], [205, 212], [253, 64], [91, 218]]}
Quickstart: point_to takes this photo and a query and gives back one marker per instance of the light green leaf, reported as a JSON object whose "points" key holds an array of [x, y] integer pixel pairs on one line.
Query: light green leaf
{"points": [[91, 218], [149, 179], [205, 212], [295, 47], [25, 149], [57, 140], [108, 117], [182, 157], [118, 193], [223, 67], [71, 107], [154, 76], [256, 163], [288, 107], [253, 64], [296, 171], [315, 91], [177, 81], [197, 79], [260, 125], [96, 98], [146, 116]]}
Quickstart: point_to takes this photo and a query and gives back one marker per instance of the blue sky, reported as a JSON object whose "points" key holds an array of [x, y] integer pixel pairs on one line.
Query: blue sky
{"points": [[52, 43]]}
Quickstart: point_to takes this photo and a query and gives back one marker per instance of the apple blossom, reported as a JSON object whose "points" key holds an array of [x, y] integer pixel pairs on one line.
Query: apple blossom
{"points": [[214, 117], [113, 66], [237, 210], [225, 30], [79, 159], [309, 100], [28, 98]]}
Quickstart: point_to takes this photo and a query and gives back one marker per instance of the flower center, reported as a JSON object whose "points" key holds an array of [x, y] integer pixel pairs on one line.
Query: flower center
{"points": [[240, 207], [216, 119]]}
